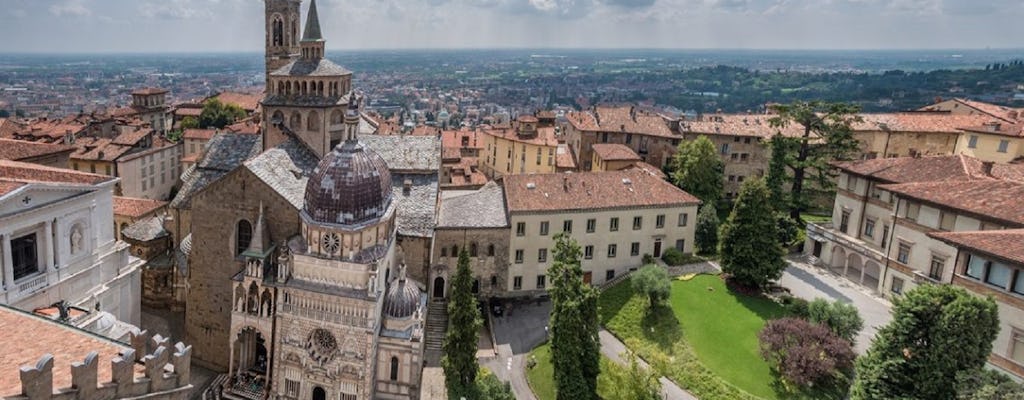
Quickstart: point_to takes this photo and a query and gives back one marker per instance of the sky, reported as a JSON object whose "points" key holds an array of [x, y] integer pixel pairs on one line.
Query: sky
{"points": [[98, 26]]}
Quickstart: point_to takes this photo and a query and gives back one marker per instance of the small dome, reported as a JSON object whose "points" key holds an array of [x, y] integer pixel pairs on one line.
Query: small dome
{"points": [[352, 185], [402, 300]]}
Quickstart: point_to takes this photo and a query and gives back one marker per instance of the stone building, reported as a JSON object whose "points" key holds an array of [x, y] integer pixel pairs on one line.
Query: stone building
{"points": [[474, 221], [612, 157], [522, 148], [63, 362], [48, 154], [646, 133], [294, 242]]}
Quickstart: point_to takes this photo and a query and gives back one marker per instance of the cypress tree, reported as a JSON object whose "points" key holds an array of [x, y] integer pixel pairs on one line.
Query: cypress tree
{"points": [[706, 235], [750, 251], [937, 331], [575, 348], [460, 342]]}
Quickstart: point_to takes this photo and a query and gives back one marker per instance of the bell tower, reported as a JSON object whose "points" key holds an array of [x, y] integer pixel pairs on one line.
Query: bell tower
{"points": [[282, 22]]}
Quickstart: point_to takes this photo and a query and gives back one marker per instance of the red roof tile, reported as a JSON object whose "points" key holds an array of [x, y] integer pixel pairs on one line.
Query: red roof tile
{"points": [[1006, 244], [20, 150], [148, 91], [591, 191], [14, 171], [995, 199], [7, 186], [614, 152], [624, 119], [922, 169], [744, 125], [1001, 129], [132, 137], [135, 208], [247, 101], [924, 122], [544, 137], [199, 134], [996, 111]]}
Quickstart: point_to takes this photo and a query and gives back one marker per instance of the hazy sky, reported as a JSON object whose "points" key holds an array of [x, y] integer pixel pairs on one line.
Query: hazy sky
{"points": [[237, 25]]}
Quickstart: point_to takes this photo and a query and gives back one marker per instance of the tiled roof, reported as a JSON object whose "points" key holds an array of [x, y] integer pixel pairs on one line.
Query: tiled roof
{"points": [[27, 338], [453, 139], [98, 149], [926, 122], [247, 101], [484, 208], [48, 129], [244, 127], [132, 137], [744, 125], [987, 198], [134, 208], [591, 191], [649, 169], [614, 152], [285, 169], [1010, 130], [406, 153], [321, 67], [11, 149], [188, 111], [199, 134], [465, 173], [624, 119], [923, 169], [14, 171], [146, 229], [545, 136], [224, 153], [1007, 244], [416, 210], [7, 187], [564, 158], [997, 111], [148, 91], [424, 130]]}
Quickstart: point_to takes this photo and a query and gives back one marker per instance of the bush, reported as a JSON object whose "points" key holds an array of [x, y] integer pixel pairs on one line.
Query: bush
{"points": [[804, 353], [842, 318], [796, 306], [984, 384], [674, 257], [648, 259], [652, 281]]}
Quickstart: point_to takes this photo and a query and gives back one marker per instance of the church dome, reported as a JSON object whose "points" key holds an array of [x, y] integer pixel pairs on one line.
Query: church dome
{"points": [[402, 300], [350, 186]]}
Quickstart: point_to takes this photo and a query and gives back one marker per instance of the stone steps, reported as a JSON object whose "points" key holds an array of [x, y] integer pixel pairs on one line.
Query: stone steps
{"points": [[437, 325]]}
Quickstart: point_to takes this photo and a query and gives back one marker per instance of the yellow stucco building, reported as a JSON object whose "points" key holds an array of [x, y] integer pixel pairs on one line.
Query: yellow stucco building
{"points": [[523, 148]]}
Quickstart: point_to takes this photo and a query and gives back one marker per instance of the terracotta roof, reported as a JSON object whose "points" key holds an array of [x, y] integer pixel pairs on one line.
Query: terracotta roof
{"points": [[49, 129], [1007, 244], [453, 139], [188, 111], [919, 122], [135, 208], [564, 158], [744, 125], [527, 119], [200, 134], [545, 136], [20, 150], [7, 187], [424, 130], [985, 198], [98, 149], [997, 111], [591, 191], [649, 169], [247, 101], [244, 128], [148, 91], [614, 152], [922, 169], [624, 119], [14, 171], [1001, 129], [132, 137], [192, 158], [465, 173], [28, 337]]}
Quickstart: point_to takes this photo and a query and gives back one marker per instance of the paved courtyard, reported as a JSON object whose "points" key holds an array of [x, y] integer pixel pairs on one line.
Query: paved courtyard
{"points": [[810, 282]]}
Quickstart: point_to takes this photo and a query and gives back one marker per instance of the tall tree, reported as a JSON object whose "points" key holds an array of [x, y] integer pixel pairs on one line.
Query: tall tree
{"points": [[937, 331], [780, 148], [749, 248], [826, 136], [706, 235], [698, 169], [460, 342], [575, 349]]}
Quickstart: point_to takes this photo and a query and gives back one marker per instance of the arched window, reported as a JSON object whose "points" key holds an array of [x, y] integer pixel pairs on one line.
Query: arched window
{"points": [[455, 250], [394, 368], [472, 249], [305, 88], [337, 117], [490, 250], [444, 252], [320, 88], [278, 117], [280, 88], [278, 26], [243, 236], [476, 286], [296, 121], [494, 281], [319, 393], [313, 121]]}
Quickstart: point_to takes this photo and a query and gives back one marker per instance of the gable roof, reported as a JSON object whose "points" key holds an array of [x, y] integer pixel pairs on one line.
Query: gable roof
{"points": [[1007, 244], [483, 208], [224, 153], [989, 199], [285, 169], [614, 152], [922, 169], [134, 208], [591, 191], [11, 149], [625, 119], [15, 171]]}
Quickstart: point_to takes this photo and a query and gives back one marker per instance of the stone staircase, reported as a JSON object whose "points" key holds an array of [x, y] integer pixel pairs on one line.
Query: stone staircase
{"points": [[437, 325]]}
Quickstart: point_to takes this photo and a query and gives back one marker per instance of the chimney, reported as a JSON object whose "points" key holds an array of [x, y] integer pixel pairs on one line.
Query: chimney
{"points": [[986, 168], [565, 183], [407, 186]]}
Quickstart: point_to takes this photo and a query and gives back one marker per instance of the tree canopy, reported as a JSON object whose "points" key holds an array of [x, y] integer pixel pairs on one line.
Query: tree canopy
{"points": [[749, 250], [706, 235], [461, 339], [216, 114], [652, 281], [698, 169], [575, 348]]}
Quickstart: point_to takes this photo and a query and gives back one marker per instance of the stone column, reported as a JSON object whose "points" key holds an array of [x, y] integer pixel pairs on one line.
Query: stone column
{"points": [[48, 246], [7, 262]]}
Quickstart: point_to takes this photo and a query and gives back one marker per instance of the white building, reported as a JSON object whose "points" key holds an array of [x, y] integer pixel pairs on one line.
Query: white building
{"points": [[616, 217], [58, 245]]}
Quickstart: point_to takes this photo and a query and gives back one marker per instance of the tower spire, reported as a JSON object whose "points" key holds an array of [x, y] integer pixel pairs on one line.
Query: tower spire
{"points": [[312, 32]]}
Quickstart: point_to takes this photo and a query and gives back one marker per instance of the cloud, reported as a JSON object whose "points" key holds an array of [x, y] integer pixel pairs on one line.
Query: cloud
{"points": [[174, 9], [70, 8], [630, 3]]}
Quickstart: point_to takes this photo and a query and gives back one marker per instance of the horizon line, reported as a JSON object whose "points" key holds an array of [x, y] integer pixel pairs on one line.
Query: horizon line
{"points": [[514, 48]]}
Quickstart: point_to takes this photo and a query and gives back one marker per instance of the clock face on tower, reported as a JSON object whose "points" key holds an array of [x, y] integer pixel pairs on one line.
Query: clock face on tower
{"points": [[330, 242]]}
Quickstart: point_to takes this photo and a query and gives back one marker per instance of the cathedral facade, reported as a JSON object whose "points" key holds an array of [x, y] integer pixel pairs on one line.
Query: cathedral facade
{"points": [[297, 286]]}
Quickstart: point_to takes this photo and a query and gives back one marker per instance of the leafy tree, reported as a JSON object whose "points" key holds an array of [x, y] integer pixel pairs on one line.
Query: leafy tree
{"points": [[937, 331], [635, 383], [698, 169], [653, 282], [827, 136], [749, 250], [490, 388], [776, 179], [575, 349], [842, 318], [803, 353], [985, 384], [218, 115], [706, 235], [460, 342], [189, 123]]}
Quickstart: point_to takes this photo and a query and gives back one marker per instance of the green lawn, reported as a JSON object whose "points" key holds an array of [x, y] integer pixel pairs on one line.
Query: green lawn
{"points": [[542, 381], [706, 342]]}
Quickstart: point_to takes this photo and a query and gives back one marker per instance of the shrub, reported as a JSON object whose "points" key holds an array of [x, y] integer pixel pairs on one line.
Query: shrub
{"points": [[652, 281], [842, 318], [674, 256], [796, 306], [804, 353], [984, 384], [648, 259]]}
